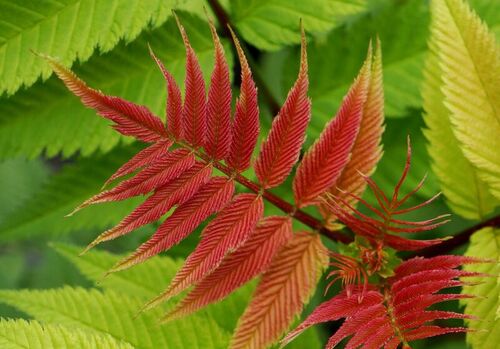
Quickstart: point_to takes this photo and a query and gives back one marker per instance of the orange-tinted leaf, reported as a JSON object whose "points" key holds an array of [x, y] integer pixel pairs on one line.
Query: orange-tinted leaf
{"points": [[228, 231], [280, 151], [130, 119], [366, 151], [284, 289], [194, 112], [239, 267], [209, 199], [219, 129], [323, 163], [246, 117]]}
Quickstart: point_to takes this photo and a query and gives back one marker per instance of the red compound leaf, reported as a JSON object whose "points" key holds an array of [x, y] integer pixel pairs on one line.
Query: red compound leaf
{"points": [[395, 313], [381, 230], [194, 113], [130, 119], [366, 151], [174, 192], [227, 232], [160, 172], [219, 129], [280, 151], [281, 294], [323, 163], [246, 117], [208, 200], [253, 257], [174, 101], [349, 271]]}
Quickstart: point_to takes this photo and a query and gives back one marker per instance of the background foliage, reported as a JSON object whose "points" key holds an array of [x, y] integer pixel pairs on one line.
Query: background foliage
{"points": [[54, 153]]}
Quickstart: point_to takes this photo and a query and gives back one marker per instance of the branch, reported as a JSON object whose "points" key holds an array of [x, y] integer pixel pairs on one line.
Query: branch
{"points": [[224, 21], [459, 239]]}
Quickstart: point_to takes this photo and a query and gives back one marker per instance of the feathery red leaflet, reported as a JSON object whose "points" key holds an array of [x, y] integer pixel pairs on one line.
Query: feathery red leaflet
{"points": [[219, 128], [280, 151], [194, 111], [174, 101], [246, 116]]}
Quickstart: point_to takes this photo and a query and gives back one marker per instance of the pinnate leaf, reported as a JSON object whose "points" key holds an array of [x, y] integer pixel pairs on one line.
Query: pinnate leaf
{"points": [[285, 287], [280, 151]]}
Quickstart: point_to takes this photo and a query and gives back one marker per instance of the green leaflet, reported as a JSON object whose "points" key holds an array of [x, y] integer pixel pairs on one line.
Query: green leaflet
{"points": [[485, 243], [469, 60], [44, 212], [38, 119], [113, 313], [70, 30], [269, 25], [465, 192], [18, 334]]}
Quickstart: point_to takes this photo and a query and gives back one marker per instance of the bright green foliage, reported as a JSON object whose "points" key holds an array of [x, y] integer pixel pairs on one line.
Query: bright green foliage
{"points": [[469, 59], [18, 334], [38, 118], [485, 244], [113, 313], [70, 30], [465, 191], [148, 280], [269, 25], [44, 212]]}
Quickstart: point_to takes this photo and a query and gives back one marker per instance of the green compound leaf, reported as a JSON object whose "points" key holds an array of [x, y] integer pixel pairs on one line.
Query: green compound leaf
{"points": [[20, 334], [113, 313], [70, 30], [270, 25], [485, 243], [38, 119]]}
